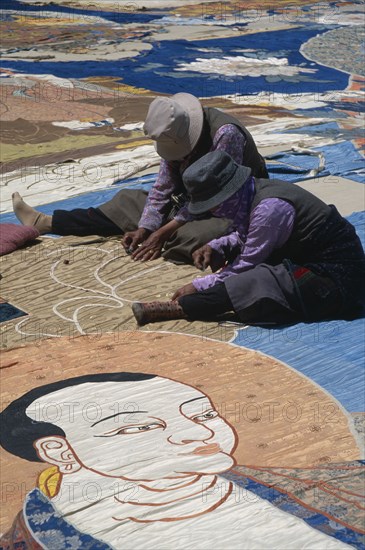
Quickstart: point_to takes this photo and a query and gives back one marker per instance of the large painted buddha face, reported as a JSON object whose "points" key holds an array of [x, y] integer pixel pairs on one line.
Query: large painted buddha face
{"points": [[145, 430]]}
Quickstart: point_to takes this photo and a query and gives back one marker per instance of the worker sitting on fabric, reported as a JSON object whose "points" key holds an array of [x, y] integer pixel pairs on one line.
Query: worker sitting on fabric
{"points": [[290, 257], [183, 131]]}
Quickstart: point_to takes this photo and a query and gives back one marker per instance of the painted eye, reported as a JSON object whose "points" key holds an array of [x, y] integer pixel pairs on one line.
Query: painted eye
{"points": [[139, 429], [209, 415]]}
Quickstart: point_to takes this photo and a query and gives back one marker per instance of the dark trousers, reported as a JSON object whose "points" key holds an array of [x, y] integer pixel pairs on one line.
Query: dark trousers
{"points": [[206, 304], [83, 222], [281, 294], [215, 301]]}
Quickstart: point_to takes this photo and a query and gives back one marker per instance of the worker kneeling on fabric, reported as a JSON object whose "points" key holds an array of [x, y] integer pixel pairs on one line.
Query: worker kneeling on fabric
{"points": [[288, 257], [158, 223]]}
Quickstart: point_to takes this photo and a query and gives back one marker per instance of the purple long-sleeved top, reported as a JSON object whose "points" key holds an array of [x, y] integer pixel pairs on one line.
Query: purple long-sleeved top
{"points": [[228, 138], [256, 234]]}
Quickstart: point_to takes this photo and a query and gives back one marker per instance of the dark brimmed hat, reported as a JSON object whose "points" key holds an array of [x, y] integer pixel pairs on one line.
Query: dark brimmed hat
{"points": [[175, 124], [213, 179]]}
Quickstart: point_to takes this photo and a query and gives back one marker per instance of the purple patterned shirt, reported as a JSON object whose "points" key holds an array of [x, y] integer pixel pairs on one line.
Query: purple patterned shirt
{"points": [[256, 234], [227, 138]]}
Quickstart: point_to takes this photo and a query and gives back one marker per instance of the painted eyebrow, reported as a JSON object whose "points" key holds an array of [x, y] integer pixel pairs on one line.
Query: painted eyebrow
{"points": [[118, 414], [195, 399]]}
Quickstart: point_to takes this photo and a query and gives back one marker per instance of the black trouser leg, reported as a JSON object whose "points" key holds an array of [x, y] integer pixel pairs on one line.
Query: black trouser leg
{"points": [[267, 311], [206, 304], [215, 301], [82, 222]]}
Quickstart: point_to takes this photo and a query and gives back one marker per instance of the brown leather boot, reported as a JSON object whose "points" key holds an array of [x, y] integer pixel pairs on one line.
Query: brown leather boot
{"points": [[151, 312]]}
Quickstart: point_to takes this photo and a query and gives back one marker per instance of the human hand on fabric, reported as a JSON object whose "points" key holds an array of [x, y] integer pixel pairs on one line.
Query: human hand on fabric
{"points": [[206, 256], [184, 291], [152, 244], [151, 248], [132, 239]]}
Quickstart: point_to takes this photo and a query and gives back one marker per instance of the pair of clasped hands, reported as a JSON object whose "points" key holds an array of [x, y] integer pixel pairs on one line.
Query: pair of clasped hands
{"points": [[145, 245]]}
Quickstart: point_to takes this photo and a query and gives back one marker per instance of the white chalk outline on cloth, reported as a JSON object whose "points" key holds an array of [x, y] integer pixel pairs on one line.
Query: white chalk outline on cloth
{"points": [[111, 297]]}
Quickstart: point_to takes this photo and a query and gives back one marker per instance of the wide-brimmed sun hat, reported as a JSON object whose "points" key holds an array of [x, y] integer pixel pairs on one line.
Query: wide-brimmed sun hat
{"points": [[213, 179], [175, 124]]}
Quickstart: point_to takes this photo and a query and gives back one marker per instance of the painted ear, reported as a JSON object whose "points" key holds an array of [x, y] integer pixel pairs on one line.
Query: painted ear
{"points": [[56, 450]]}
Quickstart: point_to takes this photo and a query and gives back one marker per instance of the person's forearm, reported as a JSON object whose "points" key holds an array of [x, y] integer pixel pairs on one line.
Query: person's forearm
{"points": [[225, 244], [159, 196], [270, 227], [203, 283], [169, 228], [150, 220], [183, 215]]}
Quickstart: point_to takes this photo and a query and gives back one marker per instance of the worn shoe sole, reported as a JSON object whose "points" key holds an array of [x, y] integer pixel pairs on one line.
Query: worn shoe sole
{"points": [[138, 313]]}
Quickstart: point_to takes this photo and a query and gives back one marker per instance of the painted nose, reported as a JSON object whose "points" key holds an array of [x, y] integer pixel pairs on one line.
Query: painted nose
{"points": [[189, 432]]}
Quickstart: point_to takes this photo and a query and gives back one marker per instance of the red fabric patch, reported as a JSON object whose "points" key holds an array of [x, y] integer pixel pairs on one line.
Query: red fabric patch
{"points": [[13, 236], [299, 272]]}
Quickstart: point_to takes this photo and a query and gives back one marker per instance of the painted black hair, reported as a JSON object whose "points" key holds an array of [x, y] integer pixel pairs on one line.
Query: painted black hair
{"points": [[18, 432]]}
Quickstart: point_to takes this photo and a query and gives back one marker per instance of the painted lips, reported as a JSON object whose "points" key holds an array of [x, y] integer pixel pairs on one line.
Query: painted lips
{"points": [[210, 449]]}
